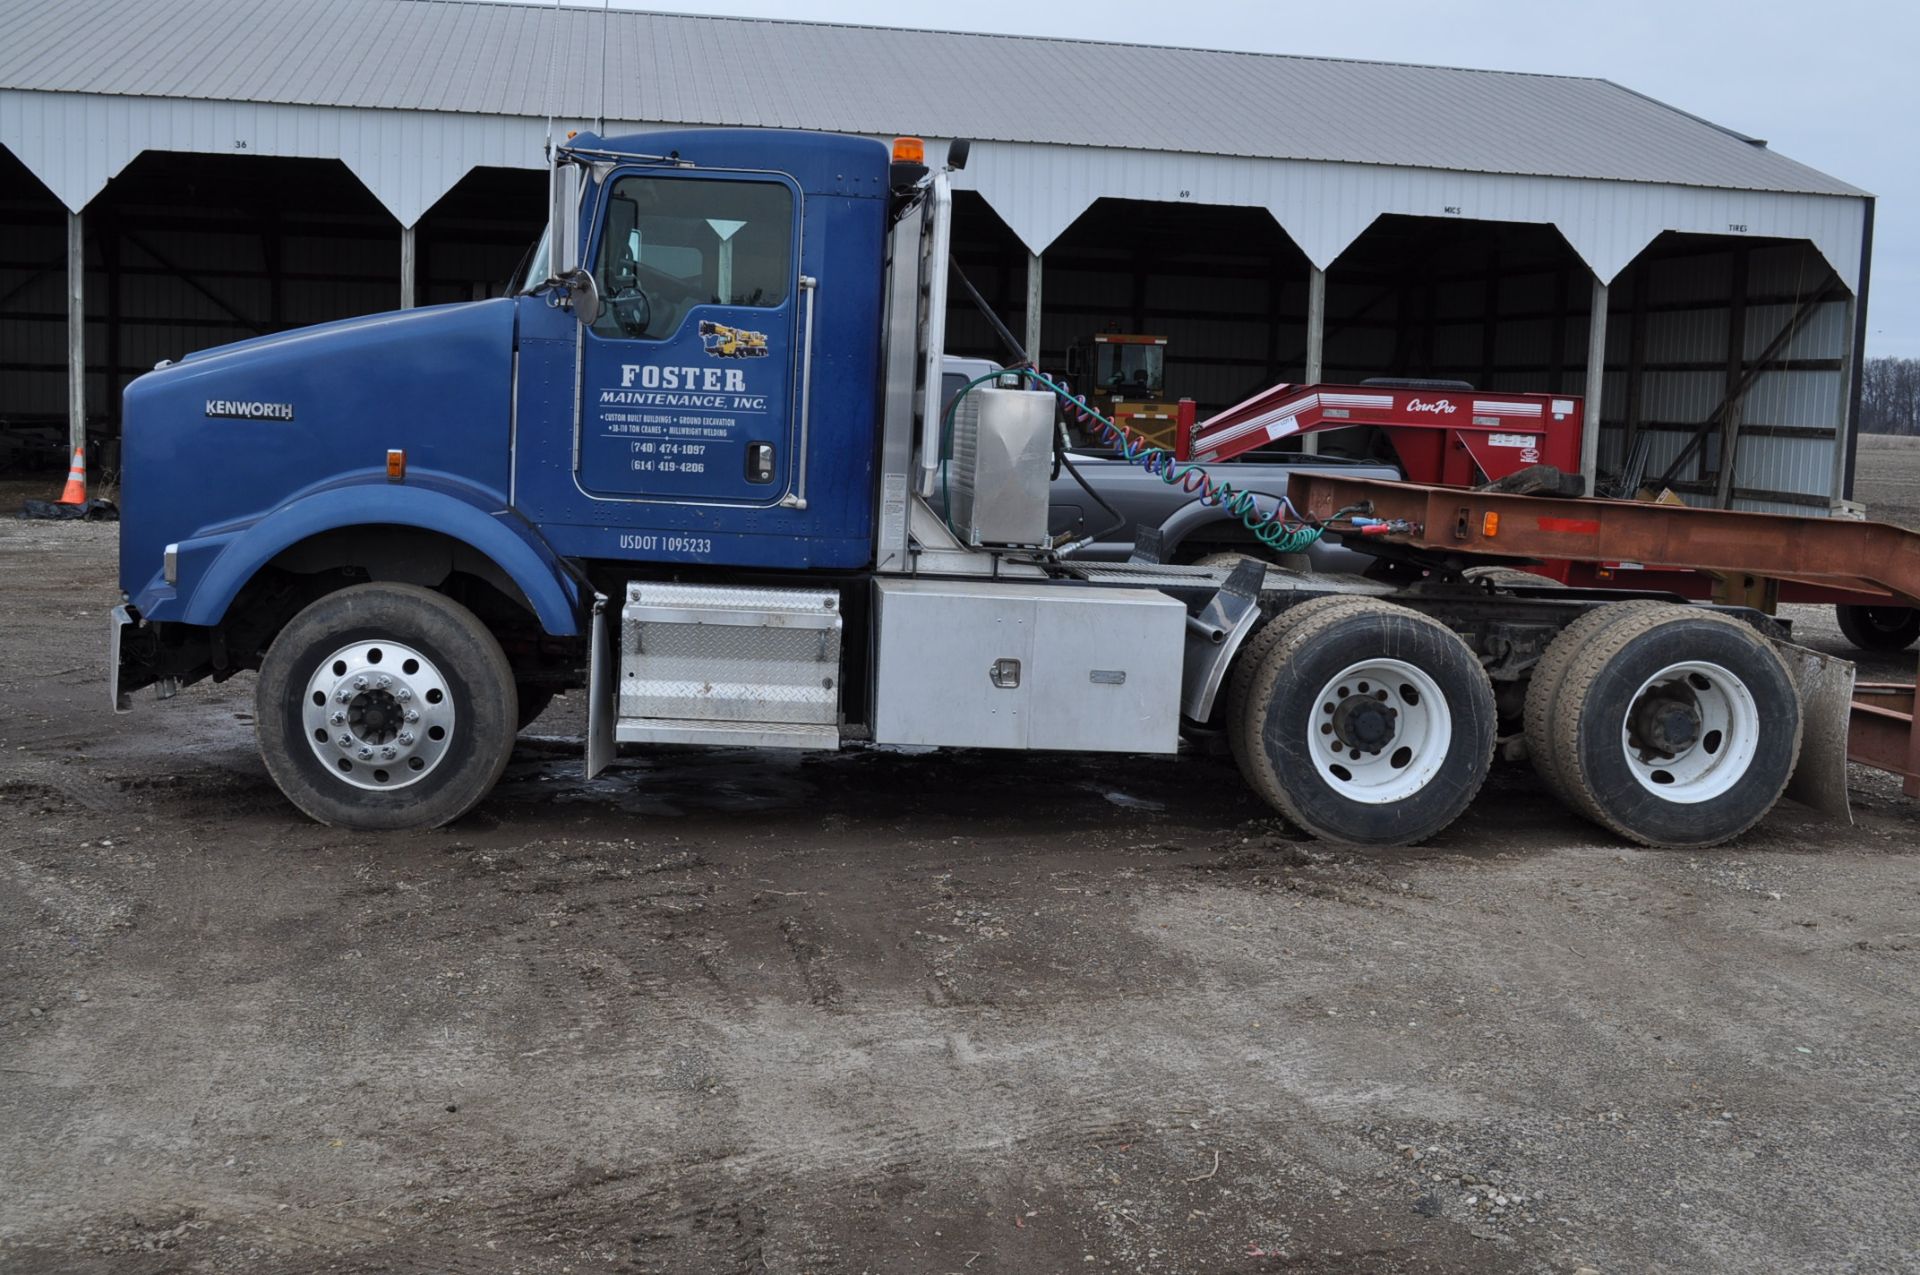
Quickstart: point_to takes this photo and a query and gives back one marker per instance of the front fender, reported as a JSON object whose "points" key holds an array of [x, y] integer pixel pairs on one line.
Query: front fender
{"points": [[433, 502]]}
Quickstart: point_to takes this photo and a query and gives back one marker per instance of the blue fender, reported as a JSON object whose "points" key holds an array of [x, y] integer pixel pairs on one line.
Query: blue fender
{"points": [[470, 515]]}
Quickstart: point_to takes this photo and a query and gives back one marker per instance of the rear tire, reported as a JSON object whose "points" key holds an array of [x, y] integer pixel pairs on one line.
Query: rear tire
{"points": [[1549, 674], [1366, 723], [1879, 628], [1246, 665], [385, 706], [1674, 727]]}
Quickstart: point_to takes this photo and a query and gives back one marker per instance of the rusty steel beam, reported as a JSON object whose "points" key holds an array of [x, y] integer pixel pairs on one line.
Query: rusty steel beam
{"points": [[1881, 733], [1457, 520]]}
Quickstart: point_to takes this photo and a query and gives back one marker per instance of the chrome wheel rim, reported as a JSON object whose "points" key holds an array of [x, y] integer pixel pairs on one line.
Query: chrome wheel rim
{"points": [[1691, 732], [1379, 731], [378, 715]]}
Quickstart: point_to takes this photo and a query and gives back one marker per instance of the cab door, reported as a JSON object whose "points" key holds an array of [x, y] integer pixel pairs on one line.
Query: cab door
{"points": [[687, 376]]}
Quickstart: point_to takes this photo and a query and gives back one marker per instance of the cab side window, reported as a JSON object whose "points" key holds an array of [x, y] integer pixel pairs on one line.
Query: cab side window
{"points": [[673, 243]]}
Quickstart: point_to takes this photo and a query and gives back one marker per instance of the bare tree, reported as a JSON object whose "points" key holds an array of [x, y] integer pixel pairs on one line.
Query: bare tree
{"points": [[1890, 397]]}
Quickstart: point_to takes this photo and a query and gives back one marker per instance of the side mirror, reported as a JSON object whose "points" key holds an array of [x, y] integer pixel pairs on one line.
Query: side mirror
{"points": [[583, 294], [957, 153]]}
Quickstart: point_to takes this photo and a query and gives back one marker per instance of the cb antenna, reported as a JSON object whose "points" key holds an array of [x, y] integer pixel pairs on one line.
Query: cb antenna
{"points": [[600, 120], [553, 50]]}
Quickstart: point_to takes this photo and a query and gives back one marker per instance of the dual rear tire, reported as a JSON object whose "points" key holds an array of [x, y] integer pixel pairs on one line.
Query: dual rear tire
{"points": [[1370, 724], [1362, 722], [1669, 725]]}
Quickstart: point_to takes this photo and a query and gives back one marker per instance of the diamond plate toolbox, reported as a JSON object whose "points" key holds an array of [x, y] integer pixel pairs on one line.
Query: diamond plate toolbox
{"points": [[720, 653]]}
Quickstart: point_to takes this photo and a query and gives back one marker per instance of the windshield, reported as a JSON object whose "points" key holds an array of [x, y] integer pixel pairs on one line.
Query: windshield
{"points": [[1130, 366], [533, 269]]}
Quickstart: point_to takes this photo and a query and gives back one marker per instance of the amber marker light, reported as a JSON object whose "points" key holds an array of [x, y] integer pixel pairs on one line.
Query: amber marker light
{"points": [[1490, 525], [396, 465], [909, 150]]}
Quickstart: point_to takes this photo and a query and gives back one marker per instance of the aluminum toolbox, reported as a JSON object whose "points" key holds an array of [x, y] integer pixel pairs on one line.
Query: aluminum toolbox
{"points": [[995, 664]]}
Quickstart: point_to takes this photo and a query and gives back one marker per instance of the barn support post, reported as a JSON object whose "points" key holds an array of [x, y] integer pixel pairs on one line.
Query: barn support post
{"points": [[76, 335], [1033, 308], [407, 253], [1843, 408], [1316, 342], [1736, 372], [1596, 381]]}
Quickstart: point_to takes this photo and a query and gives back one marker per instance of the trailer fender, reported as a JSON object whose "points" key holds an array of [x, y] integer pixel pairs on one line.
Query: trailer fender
{"points": [[464, 513]]}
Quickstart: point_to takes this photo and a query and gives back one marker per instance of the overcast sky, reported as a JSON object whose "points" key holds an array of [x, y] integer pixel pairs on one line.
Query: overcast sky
{"points": [[1833, 83]]}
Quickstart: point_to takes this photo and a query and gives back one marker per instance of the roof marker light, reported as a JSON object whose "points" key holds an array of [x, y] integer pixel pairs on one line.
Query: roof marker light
{"points": [[909, 150]]}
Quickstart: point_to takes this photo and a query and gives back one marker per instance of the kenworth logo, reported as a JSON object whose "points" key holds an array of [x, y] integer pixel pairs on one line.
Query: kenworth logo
{"points": [[240, 410], [1439, 405]]}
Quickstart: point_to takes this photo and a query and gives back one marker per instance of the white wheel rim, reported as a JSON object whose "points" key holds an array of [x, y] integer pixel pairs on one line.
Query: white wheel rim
{"points": [[1379, 731], [378, 715], [1691, 732]]}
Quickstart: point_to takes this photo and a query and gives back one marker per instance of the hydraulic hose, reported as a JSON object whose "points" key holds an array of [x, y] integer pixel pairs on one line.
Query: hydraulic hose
{"points": [[1280, 528]]}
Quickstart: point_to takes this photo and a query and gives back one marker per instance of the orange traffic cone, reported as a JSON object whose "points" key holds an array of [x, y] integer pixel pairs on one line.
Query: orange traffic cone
{"points": [[76, 492]]}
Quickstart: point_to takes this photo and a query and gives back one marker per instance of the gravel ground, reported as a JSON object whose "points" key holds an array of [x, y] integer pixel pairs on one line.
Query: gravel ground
{"points": [[883, 1012]]}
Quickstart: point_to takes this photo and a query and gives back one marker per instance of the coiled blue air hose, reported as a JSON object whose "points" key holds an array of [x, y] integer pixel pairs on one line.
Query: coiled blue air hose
{"points": [[1280, 528]]}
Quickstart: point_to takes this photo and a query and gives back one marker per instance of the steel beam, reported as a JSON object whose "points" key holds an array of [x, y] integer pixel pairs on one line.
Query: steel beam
{"points": [[76, 335], [1596, 382], [1881, 733], [1316, 342], [406, 267], [1033, 307], [1870, 557]]}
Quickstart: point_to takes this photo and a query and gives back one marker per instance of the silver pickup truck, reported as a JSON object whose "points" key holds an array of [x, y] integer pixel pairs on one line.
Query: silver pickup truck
{"points": [[1189, 530]]}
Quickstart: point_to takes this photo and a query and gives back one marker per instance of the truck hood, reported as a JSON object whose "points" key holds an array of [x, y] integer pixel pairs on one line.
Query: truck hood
{"points": [[227, 435]]}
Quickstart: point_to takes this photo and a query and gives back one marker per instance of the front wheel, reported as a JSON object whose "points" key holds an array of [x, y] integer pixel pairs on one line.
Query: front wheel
{"points": [[1365, 722], [385, 706]]}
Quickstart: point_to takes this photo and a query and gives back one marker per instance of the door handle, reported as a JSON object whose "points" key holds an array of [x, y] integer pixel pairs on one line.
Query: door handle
{"points": [[797, 498]]}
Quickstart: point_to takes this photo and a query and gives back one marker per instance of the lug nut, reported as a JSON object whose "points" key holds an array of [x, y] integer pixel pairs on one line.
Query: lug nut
{"points": [[413, 714], [403, 694], [365, 753], [386, 680], [360, 683], [345, 741], [338, 719], [343, 695], [389, 753], [405, 737]]}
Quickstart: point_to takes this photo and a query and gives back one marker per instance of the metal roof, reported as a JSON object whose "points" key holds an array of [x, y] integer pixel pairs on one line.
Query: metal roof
{"points": [[476, 58]]}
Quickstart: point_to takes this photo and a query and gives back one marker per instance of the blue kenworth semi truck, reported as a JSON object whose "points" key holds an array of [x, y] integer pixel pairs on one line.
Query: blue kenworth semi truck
{"points": [[699, 467]]}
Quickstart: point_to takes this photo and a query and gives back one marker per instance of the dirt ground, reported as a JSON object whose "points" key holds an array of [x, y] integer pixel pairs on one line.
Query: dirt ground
{"points": [[914, 1013]]}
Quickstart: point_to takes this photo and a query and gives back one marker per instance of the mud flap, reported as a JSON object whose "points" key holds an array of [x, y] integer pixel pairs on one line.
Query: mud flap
{"points": [[600, 678], [119, 620], [1215, 636], [1825, 683]]}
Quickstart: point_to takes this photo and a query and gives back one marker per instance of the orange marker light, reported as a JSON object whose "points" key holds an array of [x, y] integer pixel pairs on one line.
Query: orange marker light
{"points": [[1490, 525], [909, 150], [396, 465]]}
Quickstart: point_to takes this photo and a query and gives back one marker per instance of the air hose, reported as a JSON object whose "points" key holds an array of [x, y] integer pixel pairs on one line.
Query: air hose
{"points": [[1280, 528]]}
